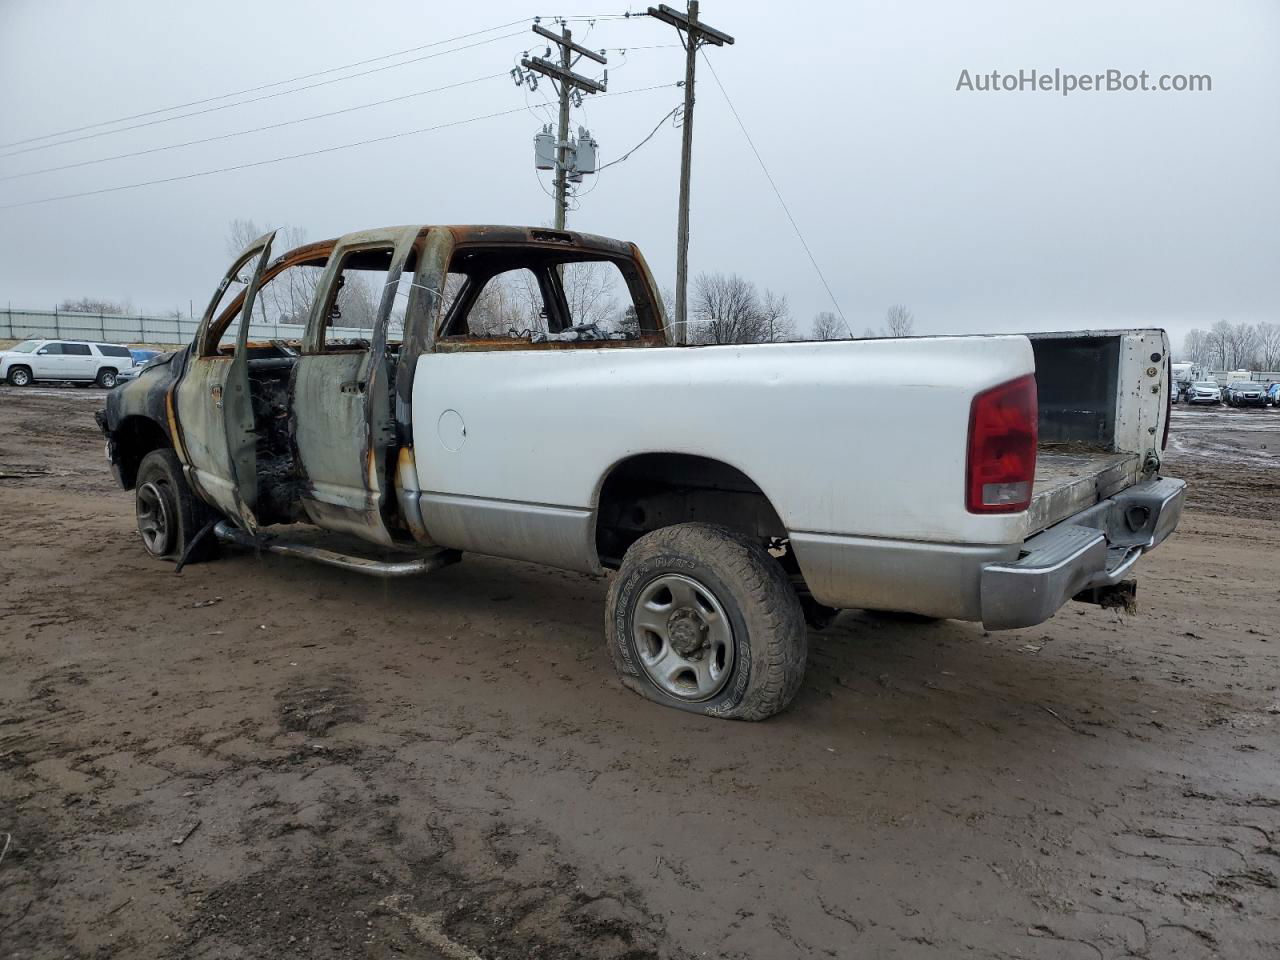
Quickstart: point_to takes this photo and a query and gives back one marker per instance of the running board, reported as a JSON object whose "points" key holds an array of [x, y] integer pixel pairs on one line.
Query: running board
{"points": [[226, 533]]}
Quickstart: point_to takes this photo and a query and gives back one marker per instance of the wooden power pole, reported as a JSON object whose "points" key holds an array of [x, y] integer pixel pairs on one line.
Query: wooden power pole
{"points": [[566, 82], [693, 34]]}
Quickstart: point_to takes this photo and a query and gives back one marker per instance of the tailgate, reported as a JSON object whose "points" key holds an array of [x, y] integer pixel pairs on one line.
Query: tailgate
{"points": [[1103, 400]]}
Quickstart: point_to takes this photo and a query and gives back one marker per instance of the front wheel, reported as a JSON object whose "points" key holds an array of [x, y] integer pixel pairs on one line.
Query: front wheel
{"points": [[703, 619], [19, 377], [169, 515]]}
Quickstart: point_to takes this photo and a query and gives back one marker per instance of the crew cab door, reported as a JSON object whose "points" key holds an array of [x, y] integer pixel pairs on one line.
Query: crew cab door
{"points": [[344, 427], [214, 407]]}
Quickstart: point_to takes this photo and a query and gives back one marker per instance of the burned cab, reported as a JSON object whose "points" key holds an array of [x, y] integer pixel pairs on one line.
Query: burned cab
{"points": [[293, 402]]}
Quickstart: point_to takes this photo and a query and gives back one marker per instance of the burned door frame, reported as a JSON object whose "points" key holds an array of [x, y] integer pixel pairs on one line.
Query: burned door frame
{"points": [[345, 431], [219, 452]]}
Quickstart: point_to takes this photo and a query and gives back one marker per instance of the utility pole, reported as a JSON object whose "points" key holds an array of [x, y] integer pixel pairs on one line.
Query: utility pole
{"points": [[693, 34], [567, 83]]}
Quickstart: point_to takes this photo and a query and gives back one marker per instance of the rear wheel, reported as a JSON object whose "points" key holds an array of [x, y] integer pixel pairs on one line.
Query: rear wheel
{"points": [[19, 376], [703, 619], [106, 378], [168, 513]]}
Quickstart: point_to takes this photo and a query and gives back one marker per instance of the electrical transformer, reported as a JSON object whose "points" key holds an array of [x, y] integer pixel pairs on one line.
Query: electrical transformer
{"points": [[544, 149], [586, 152]]}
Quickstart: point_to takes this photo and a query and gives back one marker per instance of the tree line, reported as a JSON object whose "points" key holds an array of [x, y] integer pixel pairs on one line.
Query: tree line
{"points": [[728, 308], [1234, 346]]}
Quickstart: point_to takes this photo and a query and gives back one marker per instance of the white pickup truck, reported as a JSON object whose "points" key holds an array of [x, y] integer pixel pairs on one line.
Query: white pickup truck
{"points": [[512, 391]]}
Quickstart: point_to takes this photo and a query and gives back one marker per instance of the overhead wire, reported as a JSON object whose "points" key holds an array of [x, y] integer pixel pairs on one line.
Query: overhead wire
{"points": [[303, 154], [652, 132], [778, 193], [241, 133], [265, 86], [267, 96]]}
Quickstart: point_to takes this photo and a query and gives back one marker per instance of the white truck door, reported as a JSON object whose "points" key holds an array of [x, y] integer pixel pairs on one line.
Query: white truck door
{"points": [[344, 429]]}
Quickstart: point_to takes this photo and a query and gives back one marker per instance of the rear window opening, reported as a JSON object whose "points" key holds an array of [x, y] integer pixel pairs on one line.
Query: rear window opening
{"points": [[504, 296]]}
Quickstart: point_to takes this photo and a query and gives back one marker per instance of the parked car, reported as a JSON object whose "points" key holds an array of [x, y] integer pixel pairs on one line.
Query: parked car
{"points": [[479, 412], [1273, 395], [1245, 393], [140, 360], [85, 361], [1205, 392]]}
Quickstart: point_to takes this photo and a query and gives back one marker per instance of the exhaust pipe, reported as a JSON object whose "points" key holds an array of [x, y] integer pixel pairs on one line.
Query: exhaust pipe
{"points": [[226, 533]]}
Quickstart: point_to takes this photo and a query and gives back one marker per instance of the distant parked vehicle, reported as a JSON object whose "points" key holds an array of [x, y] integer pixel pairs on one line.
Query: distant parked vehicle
{"points": [[1273, 395], [1205, 392], [84, 361], [141, 360], [1245, 393]]}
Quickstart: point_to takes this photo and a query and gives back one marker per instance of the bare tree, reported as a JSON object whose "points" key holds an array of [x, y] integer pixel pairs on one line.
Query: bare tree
{"points": [[1244, 344], [1268, 352], [96, 305], [1219, 345], [899, 321], [827, 326], [726, 309], [1197, 348], [591, 290], [776, 314]]}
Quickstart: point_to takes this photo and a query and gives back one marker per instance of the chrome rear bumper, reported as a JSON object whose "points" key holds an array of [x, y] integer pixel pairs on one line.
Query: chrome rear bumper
{"points": [[1095, 548]]}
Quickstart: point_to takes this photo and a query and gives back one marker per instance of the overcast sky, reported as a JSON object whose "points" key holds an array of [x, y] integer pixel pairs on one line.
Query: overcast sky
{"points": [[979, 211]]}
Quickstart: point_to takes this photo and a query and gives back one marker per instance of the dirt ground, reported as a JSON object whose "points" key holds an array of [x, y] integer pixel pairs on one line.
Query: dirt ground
{"points": [[260, 758]]}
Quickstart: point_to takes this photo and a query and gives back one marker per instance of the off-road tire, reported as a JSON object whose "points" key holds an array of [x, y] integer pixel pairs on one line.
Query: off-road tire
{"points": [[19, 376], [769, 636], [160, 475], [106, 378]]}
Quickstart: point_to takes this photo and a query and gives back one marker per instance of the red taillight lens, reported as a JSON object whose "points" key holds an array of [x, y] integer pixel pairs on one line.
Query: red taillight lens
{"points": [[1002, 448]]}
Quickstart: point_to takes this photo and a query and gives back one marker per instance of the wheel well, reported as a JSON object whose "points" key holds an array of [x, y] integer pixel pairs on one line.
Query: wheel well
{"points": [[655, 490], [134, 439]]}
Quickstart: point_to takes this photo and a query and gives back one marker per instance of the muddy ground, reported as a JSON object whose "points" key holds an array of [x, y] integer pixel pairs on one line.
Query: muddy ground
{"points": [[264, 759]]}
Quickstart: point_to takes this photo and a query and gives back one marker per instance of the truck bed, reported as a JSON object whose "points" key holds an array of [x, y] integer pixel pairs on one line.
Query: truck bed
{"points": [[1070, 479]]}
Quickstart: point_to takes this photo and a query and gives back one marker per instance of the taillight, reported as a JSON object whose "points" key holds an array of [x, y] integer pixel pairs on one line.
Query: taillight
{"points": [[1002, 448]]}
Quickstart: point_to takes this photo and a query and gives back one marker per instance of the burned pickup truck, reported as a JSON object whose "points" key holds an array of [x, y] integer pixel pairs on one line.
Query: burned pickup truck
{"points": [[513, 392]]}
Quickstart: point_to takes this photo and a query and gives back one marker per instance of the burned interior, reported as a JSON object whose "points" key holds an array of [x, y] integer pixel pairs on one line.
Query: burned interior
{"points": [[313, 423]]}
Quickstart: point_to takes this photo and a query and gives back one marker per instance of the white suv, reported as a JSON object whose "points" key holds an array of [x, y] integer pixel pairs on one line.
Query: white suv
{"points": [[83, 360]]}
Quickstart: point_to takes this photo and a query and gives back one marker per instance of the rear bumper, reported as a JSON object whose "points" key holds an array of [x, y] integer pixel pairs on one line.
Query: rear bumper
{"points": [[1003, 585], [1096, 548]]}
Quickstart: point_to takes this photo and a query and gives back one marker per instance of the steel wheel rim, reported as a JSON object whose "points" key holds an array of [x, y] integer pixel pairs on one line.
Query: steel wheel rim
{"points": [[153, 518], [683, 637]]}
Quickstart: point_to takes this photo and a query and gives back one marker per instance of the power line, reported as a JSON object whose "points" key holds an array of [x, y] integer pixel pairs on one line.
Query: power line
{"points": [[241, 133], [670, 114], [265, 86], [778, 193], [265, 96], [306, 153]]}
